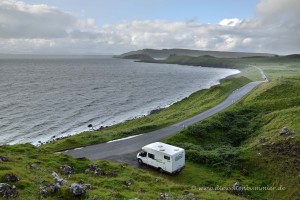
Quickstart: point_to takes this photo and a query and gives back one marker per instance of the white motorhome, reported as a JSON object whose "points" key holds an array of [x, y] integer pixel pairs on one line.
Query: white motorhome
{"points": [[164, 157]]}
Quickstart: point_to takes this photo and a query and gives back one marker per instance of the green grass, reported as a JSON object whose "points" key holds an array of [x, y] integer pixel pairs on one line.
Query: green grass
{"points": [[145, 185], [227, 144]]}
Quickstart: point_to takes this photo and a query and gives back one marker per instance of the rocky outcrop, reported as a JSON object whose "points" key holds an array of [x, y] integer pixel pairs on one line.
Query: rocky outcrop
{"points": [[58, 179], [285, 131], [48, 190], [8, 191], [67, 170], [79, 189]]}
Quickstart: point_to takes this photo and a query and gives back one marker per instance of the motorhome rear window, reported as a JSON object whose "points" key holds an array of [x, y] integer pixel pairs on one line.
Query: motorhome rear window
{"points": [[150, 155], [167, 157]]}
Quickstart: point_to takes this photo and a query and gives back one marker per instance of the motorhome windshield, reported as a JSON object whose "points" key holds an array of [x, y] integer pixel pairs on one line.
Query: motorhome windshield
{"points": [[143, 154]]}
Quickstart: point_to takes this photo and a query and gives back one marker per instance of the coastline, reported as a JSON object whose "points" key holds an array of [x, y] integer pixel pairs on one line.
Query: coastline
{"points": [[138, 115]]}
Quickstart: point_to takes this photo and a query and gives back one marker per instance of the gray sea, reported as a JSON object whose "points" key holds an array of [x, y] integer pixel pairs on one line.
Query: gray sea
{"points": [[54, 96]]}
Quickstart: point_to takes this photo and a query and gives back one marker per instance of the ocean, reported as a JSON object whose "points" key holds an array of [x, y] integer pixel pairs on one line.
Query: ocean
{"points": [[42, 97]]}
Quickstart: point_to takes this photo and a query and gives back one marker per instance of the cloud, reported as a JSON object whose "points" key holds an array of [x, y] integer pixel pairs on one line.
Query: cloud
{"points": [[20, 20], [230, 22], [26, 28], [274, 10]]}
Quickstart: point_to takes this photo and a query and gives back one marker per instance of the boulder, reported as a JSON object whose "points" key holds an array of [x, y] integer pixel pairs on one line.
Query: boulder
{"points": [[8, 191], [58, 179], [48, 190], [67, 170], [285, 131], [11, 178], [3, 159], [79, 189]]}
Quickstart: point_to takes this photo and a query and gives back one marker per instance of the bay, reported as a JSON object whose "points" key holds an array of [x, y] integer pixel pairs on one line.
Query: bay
{"points": [[54, 96]]}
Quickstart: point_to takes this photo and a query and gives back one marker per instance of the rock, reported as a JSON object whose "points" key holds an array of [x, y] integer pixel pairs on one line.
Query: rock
{"points": [[128, 183], [3, 159], [11, 178], [189, 196], [285, 131], [48, 190], [8, 191], [262, 139], [33, 166], [67, 170], [163, 196], [58, 179], [99, 172], [79, 190], [237, 188], [93, 166]]}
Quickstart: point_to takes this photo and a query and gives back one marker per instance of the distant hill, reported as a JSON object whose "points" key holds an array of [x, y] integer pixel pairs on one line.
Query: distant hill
{"points": [[140, 57], [164, 53]]}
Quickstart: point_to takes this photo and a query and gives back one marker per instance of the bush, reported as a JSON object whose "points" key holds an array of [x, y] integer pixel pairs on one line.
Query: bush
{"points": [[222, 156], [236, 126]]}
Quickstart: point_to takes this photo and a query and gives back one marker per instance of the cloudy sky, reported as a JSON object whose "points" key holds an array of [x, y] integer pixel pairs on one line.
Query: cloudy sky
{"points": [[118, 26]]}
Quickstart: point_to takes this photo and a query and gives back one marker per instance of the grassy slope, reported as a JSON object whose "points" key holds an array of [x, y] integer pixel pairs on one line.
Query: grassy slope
{"points": [[276, 162], [145, 185]]}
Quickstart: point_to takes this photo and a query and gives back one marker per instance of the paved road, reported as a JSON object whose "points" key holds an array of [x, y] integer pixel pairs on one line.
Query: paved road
{"points": [[125, 150]]}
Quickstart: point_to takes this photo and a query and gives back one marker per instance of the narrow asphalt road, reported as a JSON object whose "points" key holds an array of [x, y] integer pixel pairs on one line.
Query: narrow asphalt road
{"points": [[125, 150]]}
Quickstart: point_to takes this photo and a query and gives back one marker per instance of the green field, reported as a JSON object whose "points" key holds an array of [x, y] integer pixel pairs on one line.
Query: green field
{"points": [[220, 151]]}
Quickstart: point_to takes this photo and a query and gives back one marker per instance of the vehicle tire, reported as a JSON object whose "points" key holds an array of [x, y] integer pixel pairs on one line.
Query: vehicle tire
{"points": [[140, 161], [160, 170]]}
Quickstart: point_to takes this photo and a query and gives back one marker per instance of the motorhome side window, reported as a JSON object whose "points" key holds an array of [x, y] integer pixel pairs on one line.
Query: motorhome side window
{"points": [[150, 155], [166, 157]]}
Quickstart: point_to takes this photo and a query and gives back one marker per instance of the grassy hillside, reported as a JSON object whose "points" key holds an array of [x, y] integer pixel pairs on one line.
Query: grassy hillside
{"points": [[34, 168], [228, 143], [164, 53]]}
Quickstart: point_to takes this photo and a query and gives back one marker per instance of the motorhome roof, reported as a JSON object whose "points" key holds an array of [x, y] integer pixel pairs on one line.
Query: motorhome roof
{"points": [[165, 148]]}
